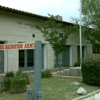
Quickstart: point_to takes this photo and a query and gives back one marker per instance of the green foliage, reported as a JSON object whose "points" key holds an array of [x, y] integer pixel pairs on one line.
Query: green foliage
{"points": [[23, 75], [19, 72], [51, 29], [91, 18], [91, 12], [46, 74], [7, 80], [9, 74], [20, 81], [91, 21], [18, 85], [91, 71], [77, 64], [7, 83]]}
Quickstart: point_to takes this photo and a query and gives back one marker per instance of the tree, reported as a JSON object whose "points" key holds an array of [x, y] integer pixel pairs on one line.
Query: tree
{"points": [[51, 29], [91, 21]]}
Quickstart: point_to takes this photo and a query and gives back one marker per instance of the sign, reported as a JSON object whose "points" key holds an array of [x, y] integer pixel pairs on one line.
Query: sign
{"points": [[17, 46]]}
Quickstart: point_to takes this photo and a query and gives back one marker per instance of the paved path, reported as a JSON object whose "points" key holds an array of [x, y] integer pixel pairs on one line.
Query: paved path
{"points": [[89, 98]]}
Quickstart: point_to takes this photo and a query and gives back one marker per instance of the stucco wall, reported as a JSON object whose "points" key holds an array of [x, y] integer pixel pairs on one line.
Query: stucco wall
{"points": [[74, 41], [16, 28]]}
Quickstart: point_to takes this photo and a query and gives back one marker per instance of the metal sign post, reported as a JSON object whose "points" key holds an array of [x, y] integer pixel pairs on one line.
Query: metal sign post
{"points": [[38, 94]]}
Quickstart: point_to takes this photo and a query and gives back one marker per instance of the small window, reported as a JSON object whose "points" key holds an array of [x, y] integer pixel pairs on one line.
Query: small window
{"points": [[60, 35], [95, 50]]}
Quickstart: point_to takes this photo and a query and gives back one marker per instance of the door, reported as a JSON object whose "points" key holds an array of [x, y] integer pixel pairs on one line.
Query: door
{"points": [[1, 61], [64, 58]]}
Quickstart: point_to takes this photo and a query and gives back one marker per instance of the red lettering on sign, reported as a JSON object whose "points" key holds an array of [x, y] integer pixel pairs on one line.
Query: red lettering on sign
{"points": [[29, 45], [2, 47], [17, 46], [14, 46]]}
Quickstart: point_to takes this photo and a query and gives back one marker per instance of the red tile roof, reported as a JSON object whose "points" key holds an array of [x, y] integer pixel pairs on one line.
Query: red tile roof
{"points": [[29, 14]]}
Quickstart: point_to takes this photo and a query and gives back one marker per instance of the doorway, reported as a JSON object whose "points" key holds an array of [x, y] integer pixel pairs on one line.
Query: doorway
{"points": [[1, 59], [65, 58]]}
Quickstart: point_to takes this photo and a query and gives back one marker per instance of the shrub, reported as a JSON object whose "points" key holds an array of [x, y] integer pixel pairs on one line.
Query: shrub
{"points": [[19, 72], [46, 74], [77, 64], [91, 71], [7, 80], [7, 83], [9, 74], [23, 75], [18, 85]]}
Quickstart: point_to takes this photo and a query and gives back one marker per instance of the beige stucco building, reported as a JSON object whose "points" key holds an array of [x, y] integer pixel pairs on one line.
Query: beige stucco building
{"points": [[15, 27]]}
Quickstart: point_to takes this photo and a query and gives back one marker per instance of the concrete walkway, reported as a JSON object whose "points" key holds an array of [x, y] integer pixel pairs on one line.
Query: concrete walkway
{"points": [[88, 96]]}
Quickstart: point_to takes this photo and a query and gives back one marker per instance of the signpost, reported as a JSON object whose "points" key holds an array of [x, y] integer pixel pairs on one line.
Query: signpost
{"points": [[38, 94]]}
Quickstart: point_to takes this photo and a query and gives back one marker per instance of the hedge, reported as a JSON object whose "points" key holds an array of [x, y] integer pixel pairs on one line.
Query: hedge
{"points": [[91, 71]]}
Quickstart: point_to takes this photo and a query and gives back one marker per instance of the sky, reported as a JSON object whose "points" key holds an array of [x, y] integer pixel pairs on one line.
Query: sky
{"points": [[64, 8]]}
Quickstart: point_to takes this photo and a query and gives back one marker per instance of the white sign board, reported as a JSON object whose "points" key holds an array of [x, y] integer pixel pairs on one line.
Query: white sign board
{"points": [[17, 46]]}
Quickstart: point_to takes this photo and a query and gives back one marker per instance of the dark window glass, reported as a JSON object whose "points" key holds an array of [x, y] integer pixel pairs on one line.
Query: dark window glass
{"points": [[21, 58], [26, 58], [60, 35], [95, 50], [30, 57]]}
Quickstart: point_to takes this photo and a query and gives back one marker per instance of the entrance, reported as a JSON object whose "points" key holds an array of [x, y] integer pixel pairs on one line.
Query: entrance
{"points": [[1, 61], [64, 59]]}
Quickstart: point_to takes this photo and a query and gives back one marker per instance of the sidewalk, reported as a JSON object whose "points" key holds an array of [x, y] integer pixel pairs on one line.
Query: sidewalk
{"points": [[88, 96]]}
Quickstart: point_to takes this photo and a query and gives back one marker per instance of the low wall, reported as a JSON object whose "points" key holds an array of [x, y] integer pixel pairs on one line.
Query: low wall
{"points": [[75, 71]]}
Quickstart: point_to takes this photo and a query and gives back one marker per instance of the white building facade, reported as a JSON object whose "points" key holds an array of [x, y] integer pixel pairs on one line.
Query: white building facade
{"points": [[16, 27]]}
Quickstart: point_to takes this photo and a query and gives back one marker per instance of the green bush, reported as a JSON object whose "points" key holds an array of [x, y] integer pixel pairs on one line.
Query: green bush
{"points": [[46, 74], [77, 64], [7, 83], [7, 80], [23, 75], [91, 71], [18, 85], [9, 74], [19, 72]]}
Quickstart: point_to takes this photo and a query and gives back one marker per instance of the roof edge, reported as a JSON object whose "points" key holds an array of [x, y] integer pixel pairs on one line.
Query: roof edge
{"points": [[29, 13]]}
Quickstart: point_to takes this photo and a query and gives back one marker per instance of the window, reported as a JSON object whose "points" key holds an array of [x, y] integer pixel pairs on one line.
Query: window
{"points": [[21, 58], [26, 58], [29, 58], [95, 50], [61, 35]]}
